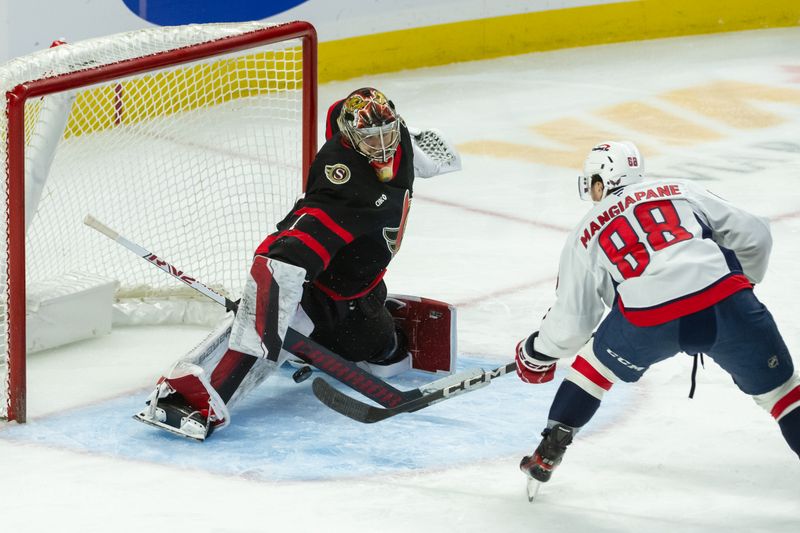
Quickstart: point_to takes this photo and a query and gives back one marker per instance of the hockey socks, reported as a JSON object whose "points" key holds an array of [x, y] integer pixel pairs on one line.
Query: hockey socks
{"points": [[783, 403], [790, 427], [573, 406]]}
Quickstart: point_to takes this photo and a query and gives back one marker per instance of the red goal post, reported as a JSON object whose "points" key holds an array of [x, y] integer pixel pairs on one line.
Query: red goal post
{"points": [[193, 139]]}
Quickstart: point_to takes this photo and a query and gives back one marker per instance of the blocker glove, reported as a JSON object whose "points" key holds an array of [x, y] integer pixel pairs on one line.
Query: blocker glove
{"points": [[533, 366]]}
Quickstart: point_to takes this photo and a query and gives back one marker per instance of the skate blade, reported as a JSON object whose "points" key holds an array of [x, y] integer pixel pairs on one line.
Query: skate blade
{"points": [[533, 489], [160, 425]]}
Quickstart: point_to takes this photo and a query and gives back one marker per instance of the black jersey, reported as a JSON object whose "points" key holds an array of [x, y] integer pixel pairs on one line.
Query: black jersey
{"points": [[347, 227]]}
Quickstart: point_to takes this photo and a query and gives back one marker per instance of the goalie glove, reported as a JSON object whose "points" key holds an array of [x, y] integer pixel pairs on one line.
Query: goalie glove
{"points": [[532, 366], [433, 153], [269, 302]]}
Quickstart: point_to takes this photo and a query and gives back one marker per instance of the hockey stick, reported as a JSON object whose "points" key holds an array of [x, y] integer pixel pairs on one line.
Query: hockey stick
{"points": [[295, 342], [93, 223], [430, 394]]}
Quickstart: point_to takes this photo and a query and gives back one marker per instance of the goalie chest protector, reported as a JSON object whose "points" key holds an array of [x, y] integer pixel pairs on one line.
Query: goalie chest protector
{"points": [[344, 186]]}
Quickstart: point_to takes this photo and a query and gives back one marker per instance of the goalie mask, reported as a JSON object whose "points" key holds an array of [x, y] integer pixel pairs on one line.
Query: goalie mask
{"points": [[371, 124], [616, 163]]}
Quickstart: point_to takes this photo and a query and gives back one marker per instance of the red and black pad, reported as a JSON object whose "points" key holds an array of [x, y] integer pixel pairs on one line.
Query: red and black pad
{"points": [[192, 390], [430, 326]]}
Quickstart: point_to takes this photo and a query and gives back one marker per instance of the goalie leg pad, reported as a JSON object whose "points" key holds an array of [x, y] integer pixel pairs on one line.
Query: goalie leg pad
{"points": [[430, 327], [270, 299]]}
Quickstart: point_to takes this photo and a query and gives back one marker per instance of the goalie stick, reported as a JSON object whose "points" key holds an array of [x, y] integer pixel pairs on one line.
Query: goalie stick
{"points": [[295, 342], [427, 395]]}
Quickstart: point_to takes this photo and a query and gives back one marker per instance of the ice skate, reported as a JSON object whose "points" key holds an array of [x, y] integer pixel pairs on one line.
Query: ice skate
{"points": [[175, 415], [184, 403], [548, 455]]}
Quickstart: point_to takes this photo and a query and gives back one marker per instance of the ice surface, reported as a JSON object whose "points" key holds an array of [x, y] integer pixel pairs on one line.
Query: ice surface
{"points": [[486, 239], [300, 439]]}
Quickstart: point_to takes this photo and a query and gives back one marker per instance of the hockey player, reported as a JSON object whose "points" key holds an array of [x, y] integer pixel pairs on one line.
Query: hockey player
{"points": [[321, 272], [676, 266]]}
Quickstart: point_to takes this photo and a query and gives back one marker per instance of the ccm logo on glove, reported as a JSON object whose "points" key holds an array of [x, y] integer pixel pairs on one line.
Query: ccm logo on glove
{"points": [[532, 366]]}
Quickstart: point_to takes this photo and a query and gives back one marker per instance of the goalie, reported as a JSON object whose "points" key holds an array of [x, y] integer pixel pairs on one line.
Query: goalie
{"points": [[321, 272]]}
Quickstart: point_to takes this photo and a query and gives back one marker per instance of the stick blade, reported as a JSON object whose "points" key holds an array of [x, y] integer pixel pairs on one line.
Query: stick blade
{"points": [[344, 404]]}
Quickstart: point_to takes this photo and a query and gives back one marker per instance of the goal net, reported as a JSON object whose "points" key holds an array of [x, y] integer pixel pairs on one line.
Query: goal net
{"points": [[192, 140]]}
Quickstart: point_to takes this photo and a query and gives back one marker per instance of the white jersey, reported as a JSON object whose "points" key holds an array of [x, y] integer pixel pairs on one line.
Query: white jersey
{"points": [[662, 250]]}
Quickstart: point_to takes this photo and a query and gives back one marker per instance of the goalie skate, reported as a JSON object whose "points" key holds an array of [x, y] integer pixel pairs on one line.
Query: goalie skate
{"points": [[169, 408], [177, 418]]}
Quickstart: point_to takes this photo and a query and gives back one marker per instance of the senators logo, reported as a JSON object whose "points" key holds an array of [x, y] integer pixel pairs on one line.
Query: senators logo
{"points": [[337, 174], [394, 236]]}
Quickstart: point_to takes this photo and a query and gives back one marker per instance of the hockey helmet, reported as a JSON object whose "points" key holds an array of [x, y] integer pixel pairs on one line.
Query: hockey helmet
{"points": [[617, 163], [371, 124]]}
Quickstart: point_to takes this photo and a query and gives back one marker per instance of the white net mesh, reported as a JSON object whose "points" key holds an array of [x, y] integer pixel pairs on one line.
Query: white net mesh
{"points": [[195, 162]]}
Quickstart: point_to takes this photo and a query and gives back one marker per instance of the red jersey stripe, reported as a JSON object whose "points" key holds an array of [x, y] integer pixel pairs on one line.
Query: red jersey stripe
{"points": [[312, 243], [583, 367], [327, 221], [686, 305], [780, 406], [263, 248]]}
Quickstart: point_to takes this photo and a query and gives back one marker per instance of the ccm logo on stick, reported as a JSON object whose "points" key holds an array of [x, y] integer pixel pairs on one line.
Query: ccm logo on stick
{"points": [[474, 383]]}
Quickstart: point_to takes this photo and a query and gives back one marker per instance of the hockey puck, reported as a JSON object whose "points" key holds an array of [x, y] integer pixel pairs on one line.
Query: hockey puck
{"points": [[301, 374]]}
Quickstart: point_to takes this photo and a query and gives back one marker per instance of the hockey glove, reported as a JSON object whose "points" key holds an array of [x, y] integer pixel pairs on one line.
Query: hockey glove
{"points": [[532, 366], [433, 153]]}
